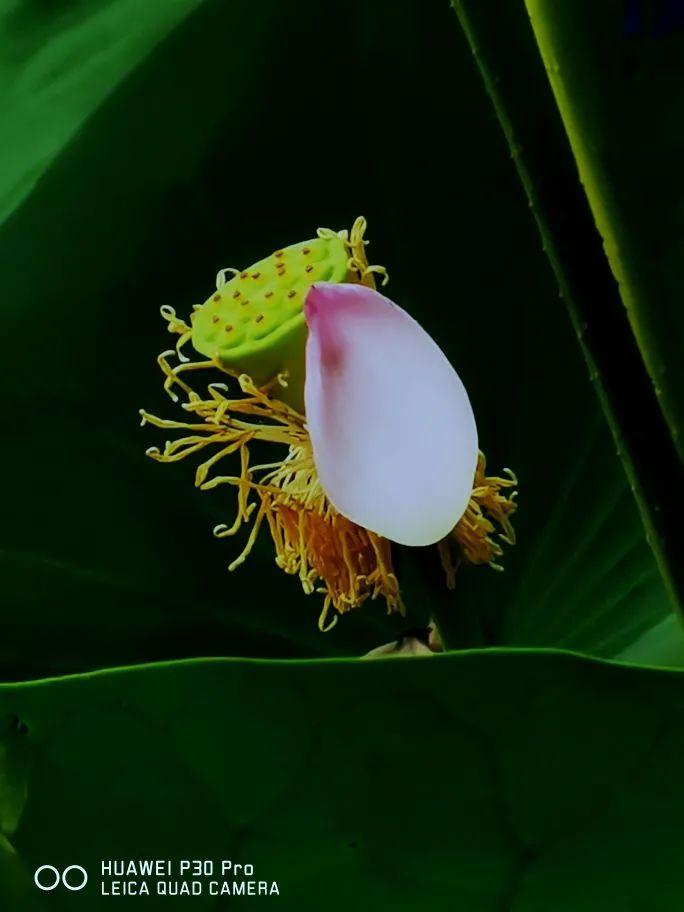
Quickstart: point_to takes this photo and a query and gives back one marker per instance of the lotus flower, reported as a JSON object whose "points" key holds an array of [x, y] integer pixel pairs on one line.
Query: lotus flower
{"points": [[384, 449]]}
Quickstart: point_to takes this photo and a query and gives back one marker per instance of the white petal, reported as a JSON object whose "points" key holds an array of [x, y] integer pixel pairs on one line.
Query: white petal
{"points": [[392, 429]]}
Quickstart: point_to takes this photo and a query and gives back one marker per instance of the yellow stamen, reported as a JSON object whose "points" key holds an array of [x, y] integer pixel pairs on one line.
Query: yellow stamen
{"points": [[357, 263], [485, 522], [330, 554]]}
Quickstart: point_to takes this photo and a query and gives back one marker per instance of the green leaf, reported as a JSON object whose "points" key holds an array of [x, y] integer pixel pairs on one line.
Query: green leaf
{"points": [[202, 158], [477, 780], [60, 63], [662, 646], [509, 61], [616, 74]]}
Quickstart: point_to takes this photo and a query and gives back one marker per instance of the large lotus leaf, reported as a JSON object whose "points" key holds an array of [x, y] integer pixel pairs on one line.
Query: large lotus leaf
{"points": [[509, 60], [616, 72], [525, 781], [243, 129]]}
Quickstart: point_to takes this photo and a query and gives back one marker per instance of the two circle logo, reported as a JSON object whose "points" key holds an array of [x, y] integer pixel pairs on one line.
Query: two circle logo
{"points": [[48, 877]]}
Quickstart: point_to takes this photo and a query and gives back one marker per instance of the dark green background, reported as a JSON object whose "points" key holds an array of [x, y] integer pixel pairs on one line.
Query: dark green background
{"points": [[208, 153], [151, 143]]}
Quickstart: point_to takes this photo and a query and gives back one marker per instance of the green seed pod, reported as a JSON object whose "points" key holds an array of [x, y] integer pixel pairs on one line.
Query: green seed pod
{"points": [[254, 324]]}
